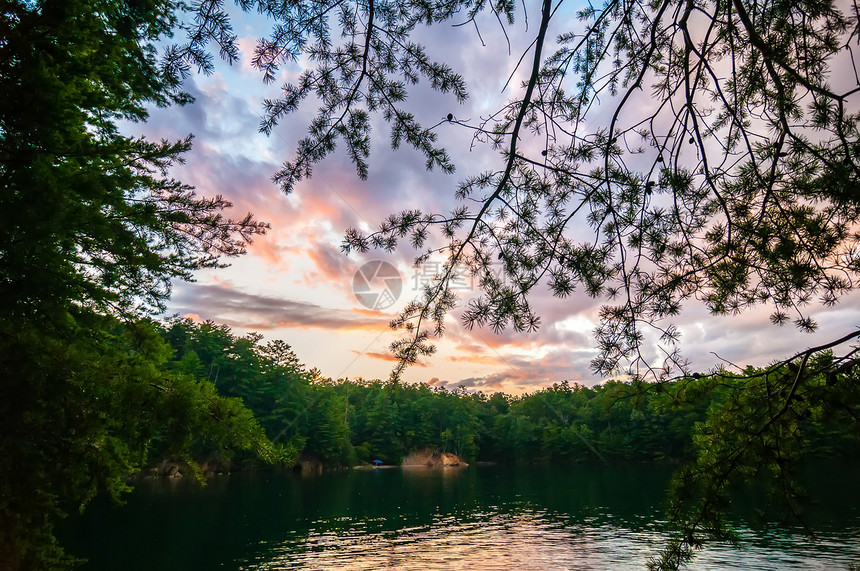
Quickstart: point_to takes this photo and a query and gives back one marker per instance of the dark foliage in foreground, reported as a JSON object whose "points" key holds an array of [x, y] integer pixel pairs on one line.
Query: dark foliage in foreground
{"points": [[92, 231]]}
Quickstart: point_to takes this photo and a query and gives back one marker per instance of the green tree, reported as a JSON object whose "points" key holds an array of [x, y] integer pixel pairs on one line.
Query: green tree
{"points": [[759, 427], [85, 408], [90, 215], [92, 229], [268, 378]]}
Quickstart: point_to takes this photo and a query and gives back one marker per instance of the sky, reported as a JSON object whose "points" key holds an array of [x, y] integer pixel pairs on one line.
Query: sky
{"points": [[295, 284]]}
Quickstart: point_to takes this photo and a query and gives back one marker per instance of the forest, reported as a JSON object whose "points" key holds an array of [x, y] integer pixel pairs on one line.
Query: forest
{"points": [[346, 422]]}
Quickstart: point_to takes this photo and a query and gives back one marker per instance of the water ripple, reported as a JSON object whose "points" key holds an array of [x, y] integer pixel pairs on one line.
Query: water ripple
{"points": [[530, 539]]}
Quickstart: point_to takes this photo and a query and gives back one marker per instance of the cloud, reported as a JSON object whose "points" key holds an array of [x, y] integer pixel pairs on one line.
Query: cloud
{"points": [[331, 263], [517, 373], [490, 382], [258, 312], [479, 359], [750, 339], [555, 333], [436, 382], [386, 356], [267, 248]]}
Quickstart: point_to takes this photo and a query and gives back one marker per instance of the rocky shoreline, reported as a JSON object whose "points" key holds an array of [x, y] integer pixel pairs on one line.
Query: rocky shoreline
{"points": [[169, 469]]}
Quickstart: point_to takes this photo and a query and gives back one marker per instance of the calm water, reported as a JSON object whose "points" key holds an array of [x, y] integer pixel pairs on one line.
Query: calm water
{"points": [[473, 518]]}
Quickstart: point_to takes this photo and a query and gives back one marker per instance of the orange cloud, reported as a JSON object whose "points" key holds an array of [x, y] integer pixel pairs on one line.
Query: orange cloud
{"points": [[480, 359], [268, 249], [470, 347], [385, 356]]}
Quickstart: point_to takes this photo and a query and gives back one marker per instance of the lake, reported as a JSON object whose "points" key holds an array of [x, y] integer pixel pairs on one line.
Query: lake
{"points": [[488, 517]]}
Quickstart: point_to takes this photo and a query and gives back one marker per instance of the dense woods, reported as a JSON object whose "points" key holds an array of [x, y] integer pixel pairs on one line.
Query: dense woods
{"points": [[345, 422]]}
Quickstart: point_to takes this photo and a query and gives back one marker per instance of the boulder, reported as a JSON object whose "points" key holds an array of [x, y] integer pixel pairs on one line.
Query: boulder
{"points": [[433, 459], [308, 465], [168, 469], [213, 466]]}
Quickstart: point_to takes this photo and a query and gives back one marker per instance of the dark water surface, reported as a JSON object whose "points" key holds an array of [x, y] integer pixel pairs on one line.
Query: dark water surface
{"points": [[581, 517]]}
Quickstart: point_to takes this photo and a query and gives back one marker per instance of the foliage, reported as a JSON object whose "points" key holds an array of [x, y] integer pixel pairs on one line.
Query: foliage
{"points": [[92, 228], [185, 391], [271, 382], [88, 215], [86, 407], [738, 188], [367, 73], [681, 420], [725, 431], [735, 187], [764, 425]]}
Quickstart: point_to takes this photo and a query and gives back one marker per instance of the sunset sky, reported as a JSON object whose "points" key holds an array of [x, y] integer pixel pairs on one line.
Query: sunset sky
{"points": [[295, 284]]}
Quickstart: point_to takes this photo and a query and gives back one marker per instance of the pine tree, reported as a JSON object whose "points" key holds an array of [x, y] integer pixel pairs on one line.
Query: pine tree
{"points": [[92, 230]]}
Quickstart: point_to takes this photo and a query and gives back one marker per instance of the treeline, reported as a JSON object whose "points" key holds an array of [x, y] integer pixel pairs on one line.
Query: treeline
{"points": [[349, 421]]}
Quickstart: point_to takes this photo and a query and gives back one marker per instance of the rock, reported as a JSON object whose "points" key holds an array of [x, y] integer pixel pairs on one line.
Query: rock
{"points": [[433, 459], [213, 466], [309, 465], [168, 469]]}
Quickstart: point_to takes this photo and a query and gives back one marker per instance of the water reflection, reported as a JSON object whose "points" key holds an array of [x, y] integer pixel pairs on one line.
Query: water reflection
{"points": [[474, 518], [525, 540]]}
